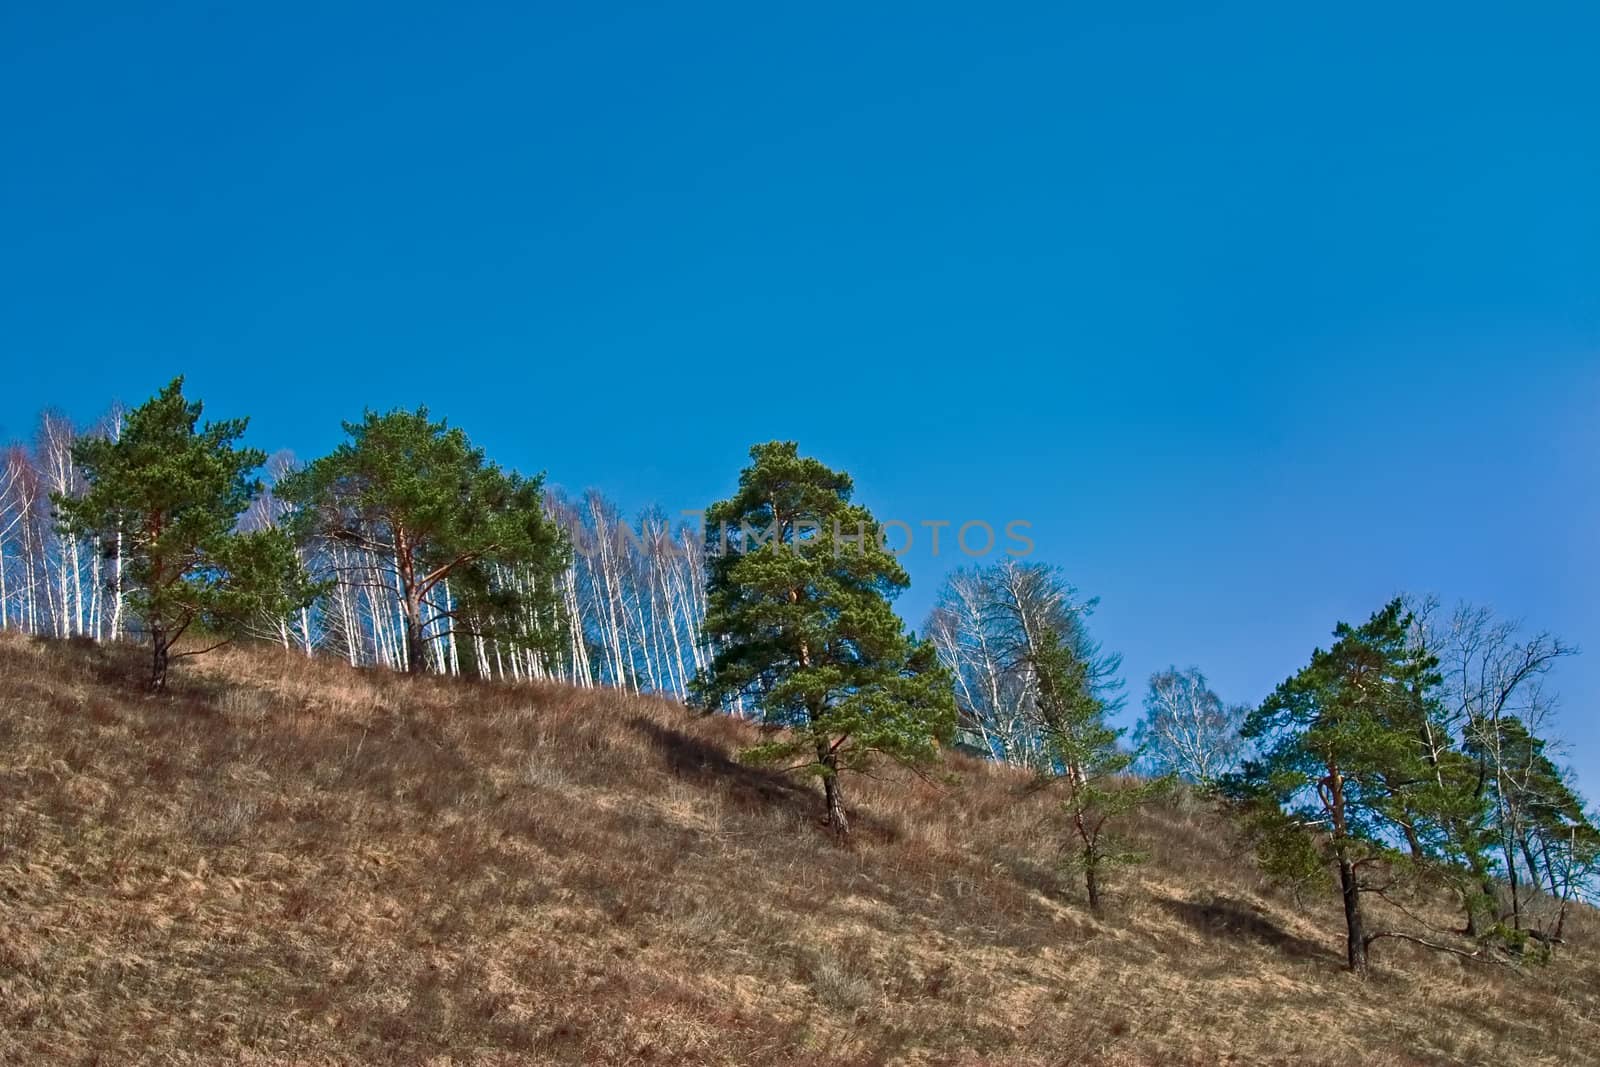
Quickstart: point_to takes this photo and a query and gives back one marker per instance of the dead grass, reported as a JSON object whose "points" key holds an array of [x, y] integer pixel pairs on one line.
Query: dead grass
{"points": [[282, 861]]}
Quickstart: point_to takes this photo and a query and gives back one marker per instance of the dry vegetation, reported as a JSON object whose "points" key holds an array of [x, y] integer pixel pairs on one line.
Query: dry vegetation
{"points": [[282, 861]]}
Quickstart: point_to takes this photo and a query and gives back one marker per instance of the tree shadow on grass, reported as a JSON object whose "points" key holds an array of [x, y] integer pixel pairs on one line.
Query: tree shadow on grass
{"points": [[757, 788], [122, 667], [708, 765], [1226, 919], [121, 670]]}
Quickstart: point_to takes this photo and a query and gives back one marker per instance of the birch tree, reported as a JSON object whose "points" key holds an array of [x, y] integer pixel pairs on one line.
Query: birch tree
{"points": [[1497, 711], [1187, 730], [634, 594], [26, 524], [988, 627], [62, 481]]}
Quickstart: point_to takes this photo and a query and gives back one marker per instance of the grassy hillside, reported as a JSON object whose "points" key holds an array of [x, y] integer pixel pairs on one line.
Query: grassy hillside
{"points": [[282, 861]]}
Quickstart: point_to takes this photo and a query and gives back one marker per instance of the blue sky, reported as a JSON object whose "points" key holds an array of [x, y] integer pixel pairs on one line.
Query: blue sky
{"points": [[1259, 314]]}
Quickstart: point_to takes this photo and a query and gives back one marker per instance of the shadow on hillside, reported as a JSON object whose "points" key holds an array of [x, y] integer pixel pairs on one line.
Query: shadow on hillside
{"points": [[1226, 919], [119, 665], [708, 765], [124, 668]]}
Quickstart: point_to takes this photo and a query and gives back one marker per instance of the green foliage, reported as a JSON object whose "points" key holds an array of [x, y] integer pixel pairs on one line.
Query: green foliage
{"points": [[799, 587], [1346, 767], [1072, 717], [1087, 755], [987, 627], [1285, 851], [419, 496], [1339, 745], [175, 494]]}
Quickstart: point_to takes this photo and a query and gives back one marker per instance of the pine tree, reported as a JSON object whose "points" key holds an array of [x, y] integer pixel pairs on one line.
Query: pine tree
{"points": [[1448, 822], [799, 587], [1089, 759], [417, 495], [171, 495], [1341, 763]]}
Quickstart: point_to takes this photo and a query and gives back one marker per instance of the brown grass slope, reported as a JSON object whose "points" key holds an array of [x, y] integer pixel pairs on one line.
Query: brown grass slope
{"points": [[284, 861]]}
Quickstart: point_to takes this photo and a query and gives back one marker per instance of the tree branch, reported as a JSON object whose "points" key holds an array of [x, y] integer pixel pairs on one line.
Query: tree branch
{"points": [[1476, 957]]}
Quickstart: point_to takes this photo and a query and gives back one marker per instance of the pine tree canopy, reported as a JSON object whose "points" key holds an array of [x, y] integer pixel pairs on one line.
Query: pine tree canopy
{"points": [[172, 494], [416, 492], [799, 591], [1346, 730]]}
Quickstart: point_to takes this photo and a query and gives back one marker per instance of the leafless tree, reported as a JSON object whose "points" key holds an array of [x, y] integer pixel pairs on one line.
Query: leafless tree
{"points": [[1187, 730], [635, 597], [989, 626], [1499, 706]]}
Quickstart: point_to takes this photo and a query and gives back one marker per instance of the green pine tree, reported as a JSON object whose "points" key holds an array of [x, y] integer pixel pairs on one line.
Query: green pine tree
{"points": [[418, 495], [1086, 754], [1341, 769], [799, 587], [1448, 824], [176, 493]]}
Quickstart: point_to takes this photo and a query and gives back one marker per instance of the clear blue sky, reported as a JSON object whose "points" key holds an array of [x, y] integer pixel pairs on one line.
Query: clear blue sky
{"points": [[1258, 315]]}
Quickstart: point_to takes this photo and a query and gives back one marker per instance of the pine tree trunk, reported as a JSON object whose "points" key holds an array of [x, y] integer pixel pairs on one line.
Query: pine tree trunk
{"points": [[1354, 921], [1091, 884], [837, 819], [405, 576], [416, 653], [831, 791], [159, 648], [1413, 842]]}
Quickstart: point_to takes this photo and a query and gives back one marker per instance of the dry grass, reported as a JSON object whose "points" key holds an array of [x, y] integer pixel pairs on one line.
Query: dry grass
{"points": [[284, 861]]}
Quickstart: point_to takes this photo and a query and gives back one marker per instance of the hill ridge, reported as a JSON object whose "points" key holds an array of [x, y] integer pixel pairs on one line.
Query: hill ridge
{"points": [[287, 860]]}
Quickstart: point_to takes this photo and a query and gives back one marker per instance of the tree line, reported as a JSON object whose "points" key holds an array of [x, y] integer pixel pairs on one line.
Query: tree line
{"points": [[395, 588], [1414, 755]]}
